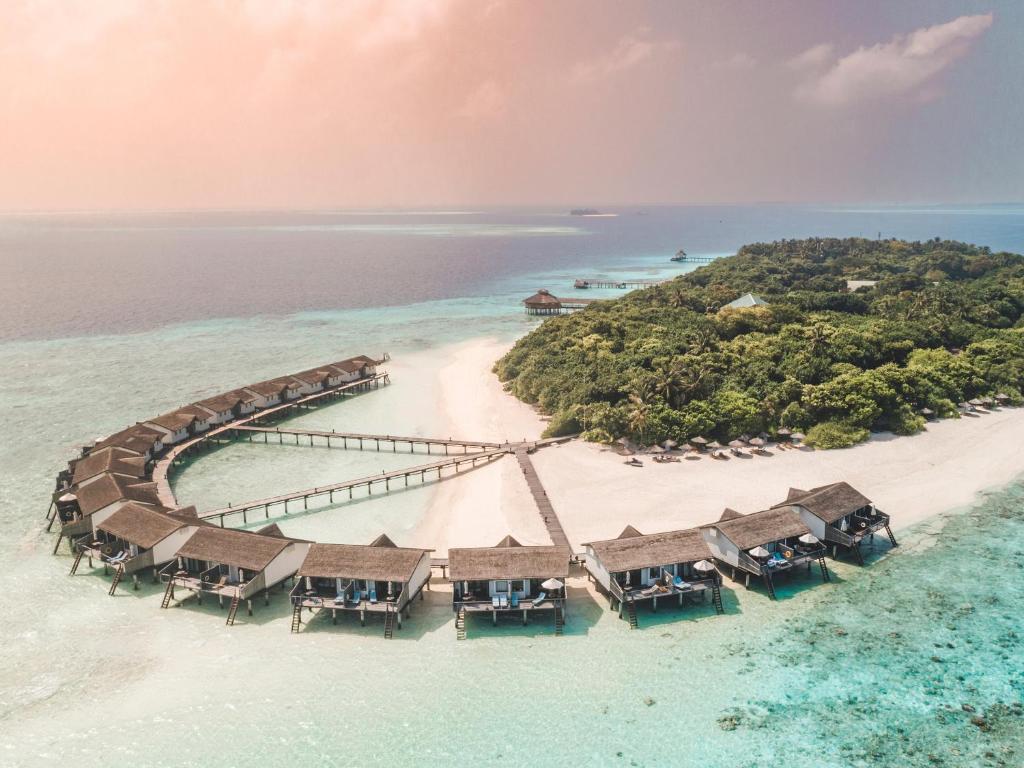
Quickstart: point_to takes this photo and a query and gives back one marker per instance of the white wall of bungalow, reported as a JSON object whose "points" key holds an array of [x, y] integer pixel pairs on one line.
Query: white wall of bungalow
{"points": [[721, 546], [263, 401], [170, 436], [286, 563]]}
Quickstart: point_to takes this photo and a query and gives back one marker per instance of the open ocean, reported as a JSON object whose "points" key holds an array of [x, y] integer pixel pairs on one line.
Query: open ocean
{"points": [[108, 319]]}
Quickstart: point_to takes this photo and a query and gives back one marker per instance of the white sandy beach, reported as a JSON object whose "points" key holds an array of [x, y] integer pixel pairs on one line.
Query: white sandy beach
{"points": [[595, 494]]}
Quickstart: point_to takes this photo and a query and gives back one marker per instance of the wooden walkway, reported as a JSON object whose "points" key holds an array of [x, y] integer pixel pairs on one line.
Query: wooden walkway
{"points": [[163, 466], [385, 478], [604, 282], [540, 497], [342, 439]]}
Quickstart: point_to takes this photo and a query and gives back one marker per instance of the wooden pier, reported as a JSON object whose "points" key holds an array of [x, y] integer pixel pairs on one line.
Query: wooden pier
{"points": [[348, 487], [357, 440], [162, 468], [540, 498], [603, 282]]}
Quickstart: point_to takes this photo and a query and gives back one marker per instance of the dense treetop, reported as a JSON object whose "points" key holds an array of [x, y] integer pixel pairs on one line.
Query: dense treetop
{"points": [[941, 325]]}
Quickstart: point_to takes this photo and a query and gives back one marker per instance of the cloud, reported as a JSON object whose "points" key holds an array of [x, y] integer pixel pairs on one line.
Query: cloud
{"points": [[629, 51], [486, 102], [812, 58], [906, 67]]}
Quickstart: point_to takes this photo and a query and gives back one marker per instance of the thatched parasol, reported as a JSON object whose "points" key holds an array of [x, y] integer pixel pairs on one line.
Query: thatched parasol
{"points": [[783, 431], [797, 436], [655, 449], [1002, 396], [698, 440], [552, 584], [756, 441], [714, 445], [736, 444], [704, 566], [668, 445], [809, 538], [975, 402], [927, 412], [758, 552]]}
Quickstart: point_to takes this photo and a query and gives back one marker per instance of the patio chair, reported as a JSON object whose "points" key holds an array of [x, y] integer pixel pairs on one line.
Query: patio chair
{"points": [[539, 599], [373, 596], [357, 596], [679, 584], [495, 602], [515, 600]]}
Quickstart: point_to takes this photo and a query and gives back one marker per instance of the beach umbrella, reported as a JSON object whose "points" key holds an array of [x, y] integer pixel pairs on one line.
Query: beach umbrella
{"points": [[551, 585], [758, 552], [798, 436], [744, 438], [703, 565], [67, 497], [783, 431], [927, 411], [756, 441], [736, 444], [668, 445], [655, 449], [714, 445], [975, 401], [1002, 396], [699, 440], [809, 538], [986, 401]]}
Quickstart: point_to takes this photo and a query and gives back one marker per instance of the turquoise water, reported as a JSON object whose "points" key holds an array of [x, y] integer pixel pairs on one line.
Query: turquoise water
{"points": [[873, 669]]}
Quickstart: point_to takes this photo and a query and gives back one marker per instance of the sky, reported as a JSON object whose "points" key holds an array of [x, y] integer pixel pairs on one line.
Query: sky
{"points": [[161, 104]]}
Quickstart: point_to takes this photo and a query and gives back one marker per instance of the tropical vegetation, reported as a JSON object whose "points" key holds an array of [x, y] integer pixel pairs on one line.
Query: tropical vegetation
{"points": [[938, 323]]}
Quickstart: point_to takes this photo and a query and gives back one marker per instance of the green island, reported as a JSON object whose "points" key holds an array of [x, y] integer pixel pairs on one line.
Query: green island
{"points": [[854, 336]]}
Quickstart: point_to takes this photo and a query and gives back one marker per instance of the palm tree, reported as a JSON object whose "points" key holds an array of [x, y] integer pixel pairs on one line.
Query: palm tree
{"points": [[638, 415]]}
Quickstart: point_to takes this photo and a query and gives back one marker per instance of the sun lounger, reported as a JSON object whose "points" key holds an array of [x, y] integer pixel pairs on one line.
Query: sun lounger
{"points": [[373, 596], [357, 596], [503, 601], [539, 599], [515, 600], [339, 599], [681, 585]]}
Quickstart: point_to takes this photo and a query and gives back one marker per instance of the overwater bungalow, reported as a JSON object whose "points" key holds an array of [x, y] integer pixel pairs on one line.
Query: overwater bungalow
{"points": [[118, 461], [354, 369], [234, 564], [840, 516], [636, 568], [508, 578], [376, 578], [228, 406], [183, 422], [141, 438], [765, 544], [84, 506], [313, 380], [137, 537], [269, 393]]}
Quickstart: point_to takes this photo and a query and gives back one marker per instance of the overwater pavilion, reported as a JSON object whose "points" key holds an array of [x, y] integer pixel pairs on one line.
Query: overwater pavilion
{"points": [[840, 516], [376, 578], [81, 507], [508, 578], [233, 563], [137, 537], [764, 544], [670, 566]]}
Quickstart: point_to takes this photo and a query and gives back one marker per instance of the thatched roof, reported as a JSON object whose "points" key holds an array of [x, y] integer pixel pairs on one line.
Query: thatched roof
{"points": [[508, 560], [729, 514], [138, 438], [226, 401], [348, 366], [758, 528], [828, 502], [271, 530], [629, 532], [314, 375], [542, 298], [640, 551], [383, 541], [229, 546], [182, 418], [107, 488], [111, 459], [268, 388], [379, 561], [143, 526]]}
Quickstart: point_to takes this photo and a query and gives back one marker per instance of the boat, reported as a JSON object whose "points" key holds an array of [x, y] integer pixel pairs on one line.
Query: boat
{"points": [[584, 212], [680, 256]]}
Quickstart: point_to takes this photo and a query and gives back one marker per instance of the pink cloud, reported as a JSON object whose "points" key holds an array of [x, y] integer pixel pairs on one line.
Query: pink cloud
{"points": [[906, 67], [629, 51]]}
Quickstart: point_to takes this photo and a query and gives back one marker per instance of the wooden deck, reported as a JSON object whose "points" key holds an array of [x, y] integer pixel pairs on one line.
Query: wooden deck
{"points": [[540, 498], [349, 486], [604, 282], [163, 466], [360, 441]]}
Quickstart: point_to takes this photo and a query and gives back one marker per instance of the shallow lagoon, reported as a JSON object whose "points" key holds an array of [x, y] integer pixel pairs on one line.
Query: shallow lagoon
{"points": [[873, 669]]}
